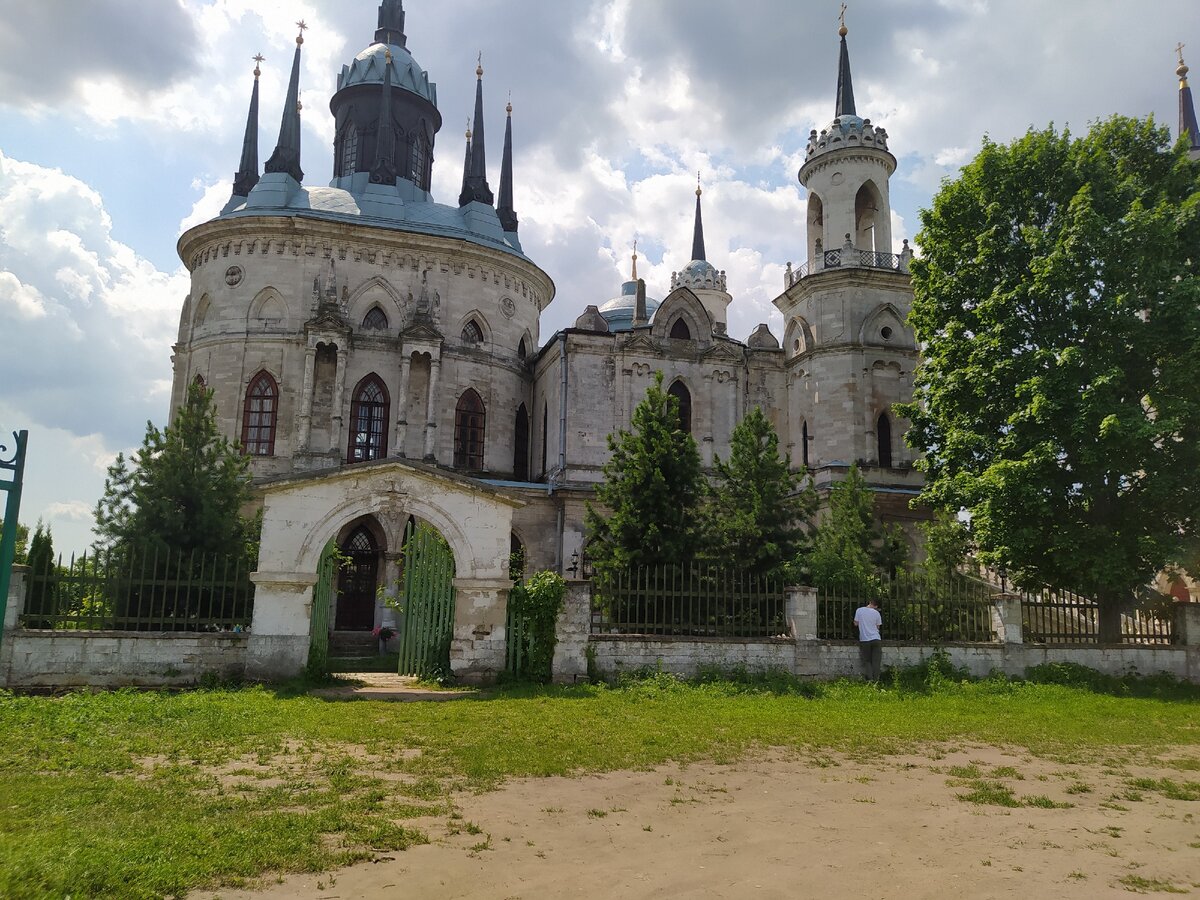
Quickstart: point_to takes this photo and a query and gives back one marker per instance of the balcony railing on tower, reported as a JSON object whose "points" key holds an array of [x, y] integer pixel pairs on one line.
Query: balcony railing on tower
{"points": [[848, 257]]}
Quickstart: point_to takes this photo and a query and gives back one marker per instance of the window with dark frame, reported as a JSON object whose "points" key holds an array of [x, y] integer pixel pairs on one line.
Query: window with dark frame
{"points": [[884, 434], [375, 320], [260, 416], [368, 421], [680, 330], [472, 333], [470, 421], [680, 392]]}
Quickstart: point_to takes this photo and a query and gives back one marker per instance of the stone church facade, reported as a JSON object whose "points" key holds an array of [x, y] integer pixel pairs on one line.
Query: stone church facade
{"points": [[379, 355]]}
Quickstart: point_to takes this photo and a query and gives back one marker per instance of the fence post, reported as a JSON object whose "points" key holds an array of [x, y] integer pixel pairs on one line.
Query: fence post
{"points": [[17, 590], [1006, 618], [1187, 624], [572, 630], [802, 613]]}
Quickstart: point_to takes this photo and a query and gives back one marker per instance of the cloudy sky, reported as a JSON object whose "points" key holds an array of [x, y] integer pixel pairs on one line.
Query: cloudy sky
{"points": [[121, 124]]}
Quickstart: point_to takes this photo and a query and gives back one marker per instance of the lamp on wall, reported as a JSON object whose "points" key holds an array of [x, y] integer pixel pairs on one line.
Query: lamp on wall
{"points": [[574, 567]]}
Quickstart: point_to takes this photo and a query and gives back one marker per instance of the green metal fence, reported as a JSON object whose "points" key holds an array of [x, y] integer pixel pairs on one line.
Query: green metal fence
{"points": [[514, 646], [154, 589], [915, 608], [318, 642], [428, 603], [699, 600], [1062, 618]]}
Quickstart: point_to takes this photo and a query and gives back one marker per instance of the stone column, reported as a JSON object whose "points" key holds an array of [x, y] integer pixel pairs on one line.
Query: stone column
{"points": [[477, 653], [12, 616], [802, 613], [1006, 618], [337, 437], [306, 399], [402, 405], [573, 629], [281, 628], [435, 371]]}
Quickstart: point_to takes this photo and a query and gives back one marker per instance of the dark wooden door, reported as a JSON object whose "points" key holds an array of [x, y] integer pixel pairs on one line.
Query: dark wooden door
{"points": [[358, 582]]}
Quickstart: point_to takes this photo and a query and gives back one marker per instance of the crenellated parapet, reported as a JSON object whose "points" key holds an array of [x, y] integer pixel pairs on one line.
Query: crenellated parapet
{"points": [[846, 133]]}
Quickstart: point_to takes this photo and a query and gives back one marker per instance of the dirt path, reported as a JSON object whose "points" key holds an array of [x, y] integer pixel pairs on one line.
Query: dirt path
{"points": [[781, 826]]}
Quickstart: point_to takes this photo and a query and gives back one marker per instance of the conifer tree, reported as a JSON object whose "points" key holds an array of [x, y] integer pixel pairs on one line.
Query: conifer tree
{"points": [[757, 513], [652, 491], [184, 489], [41, 566], [22, 546], [849, 549]]}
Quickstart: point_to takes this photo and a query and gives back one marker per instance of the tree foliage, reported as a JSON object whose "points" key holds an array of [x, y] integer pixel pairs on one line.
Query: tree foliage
{"points": [[652, 490], [22, 545], [41, 566], [757, 512], [1058, 301], [850, 549], [185, 489]]}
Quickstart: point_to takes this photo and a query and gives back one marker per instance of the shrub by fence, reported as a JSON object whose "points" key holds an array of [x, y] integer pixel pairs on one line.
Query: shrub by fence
{"points": [[915, 608], [697, 600], [152, 590], [1062, 618]]}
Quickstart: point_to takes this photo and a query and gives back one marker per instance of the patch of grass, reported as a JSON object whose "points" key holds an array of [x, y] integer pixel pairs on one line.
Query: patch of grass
{"points": [[597, 813], [1007, 772], [1172, 790], [1139, 885], [990, 793], [1042, 802], [1079, 788]]}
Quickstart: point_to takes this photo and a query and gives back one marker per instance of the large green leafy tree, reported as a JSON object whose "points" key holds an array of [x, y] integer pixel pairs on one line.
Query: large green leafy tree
{"points": [[185, 489], [1058, 301], [652, 490], [757, 515], [850, 549]]}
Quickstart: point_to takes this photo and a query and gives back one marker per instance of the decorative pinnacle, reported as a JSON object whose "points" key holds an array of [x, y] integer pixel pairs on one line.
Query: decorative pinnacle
{"points": [[303, 28], [387, 54], [258, 61], [843, 30], [479, 68], [698, 190], [635, 259], [508, 109], [468, 129], [1183, 70]]}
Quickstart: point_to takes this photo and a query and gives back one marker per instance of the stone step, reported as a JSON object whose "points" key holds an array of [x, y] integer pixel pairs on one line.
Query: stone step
{"points": [[353, 645]]}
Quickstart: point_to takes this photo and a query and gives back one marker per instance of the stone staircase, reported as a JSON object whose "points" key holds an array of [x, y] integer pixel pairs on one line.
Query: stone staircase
{"points": [[353, 645]]}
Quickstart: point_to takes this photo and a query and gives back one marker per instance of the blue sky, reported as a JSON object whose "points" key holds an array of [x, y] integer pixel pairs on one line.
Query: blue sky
{"points": [[121, 124]]}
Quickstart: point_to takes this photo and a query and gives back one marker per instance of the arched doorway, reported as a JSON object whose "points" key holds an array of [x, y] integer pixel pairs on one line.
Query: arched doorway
{"points": [[358, 581]]}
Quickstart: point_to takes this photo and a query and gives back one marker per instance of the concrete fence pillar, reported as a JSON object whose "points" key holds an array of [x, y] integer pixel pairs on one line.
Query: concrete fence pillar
{"points": [[280, 631], [1187, 623], [1006, 618], [573, 629], [17, 589], [477, 651], [802, 613]]}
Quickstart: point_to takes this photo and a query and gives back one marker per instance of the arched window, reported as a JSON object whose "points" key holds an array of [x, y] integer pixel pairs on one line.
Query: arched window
{"points": [[545, 435], [521, 445], [199, 381], [368, 421], [680, 330], [472, 333], [358, 581], [804, 445], [522, 349], [680, 392], [419, 156], [883, 431], [469, 422], [349, 150], [375, 320], [259, 416]]}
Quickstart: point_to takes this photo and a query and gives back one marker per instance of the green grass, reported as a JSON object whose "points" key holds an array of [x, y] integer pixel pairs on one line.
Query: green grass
{"points": [[138, 795]]}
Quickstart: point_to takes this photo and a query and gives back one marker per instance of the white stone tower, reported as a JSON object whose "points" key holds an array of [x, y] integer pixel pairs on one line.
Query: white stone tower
{"points": [[850, 352]]}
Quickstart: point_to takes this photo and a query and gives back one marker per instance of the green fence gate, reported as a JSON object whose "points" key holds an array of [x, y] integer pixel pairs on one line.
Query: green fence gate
{"points": [[428, 604], [318, 642]]}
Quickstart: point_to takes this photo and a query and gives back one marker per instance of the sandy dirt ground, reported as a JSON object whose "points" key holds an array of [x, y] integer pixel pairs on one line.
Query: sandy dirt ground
{"points": [[784, 825]]}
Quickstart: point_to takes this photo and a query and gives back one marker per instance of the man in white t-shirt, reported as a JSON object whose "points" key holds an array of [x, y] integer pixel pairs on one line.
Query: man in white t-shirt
{"points": [[870, 642]]}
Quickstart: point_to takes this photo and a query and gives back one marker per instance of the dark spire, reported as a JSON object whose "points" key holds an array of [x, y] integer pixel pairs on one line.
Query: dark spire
{"points": [[384, 169], [698, 233], [286, 158], [466, 185], [477, 186], [1187, 109], [391, 24], [247, 174], [845, 93], [508, 215]]}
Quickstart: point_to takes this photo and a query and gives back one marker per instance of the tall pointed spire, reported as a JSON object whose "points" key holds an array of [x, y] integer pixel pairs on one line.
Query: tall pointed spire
{"points": [[247, 174], [845, 89], [466, 185], [508, 215], [391, 24], [1187, 109], [698, 232], [286, 158], [634, 277], [478, 189], [384, 169]]}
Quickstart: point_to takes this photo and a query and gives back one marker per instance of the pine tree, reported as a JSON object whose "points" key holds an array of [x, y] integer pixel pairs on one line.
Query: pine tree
{"points": [[22, 545], [184, 490], [849, 550], [757, 514], [652, 490], [41, 567]]}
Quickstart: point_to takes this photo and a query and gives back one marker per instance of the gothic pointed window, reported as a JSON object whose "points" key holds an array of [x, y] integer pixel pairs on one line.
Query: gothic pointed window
{"points": [[469, 426], [680, 330], [521, 446], [680, 392], [368, 421], [375, 320], [472, 333], [348, 150], [522, 349], [259, 416], [420, 157], [884, 433], [199, 382], [804, 439]]}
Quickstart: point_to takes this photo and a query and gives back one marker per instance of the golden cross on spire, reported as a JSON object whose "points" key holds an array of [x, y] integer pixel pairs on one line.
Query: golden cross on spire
{"points": [[698, 191], [303, 28], [842, 17], [1179, 49], [635, 259], [259, 58], [258, 61]]}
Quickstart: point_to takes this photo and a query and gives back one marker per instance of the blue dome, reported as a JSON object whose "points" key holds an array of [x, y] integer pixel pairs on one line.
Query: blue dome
{"points": [[367, 68], [619, 311]]}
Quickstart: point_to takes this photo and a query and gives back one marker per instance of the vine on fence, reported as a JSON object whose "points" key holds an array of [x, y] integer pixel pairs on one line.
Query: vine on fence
{"points": [[539, 601]]}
